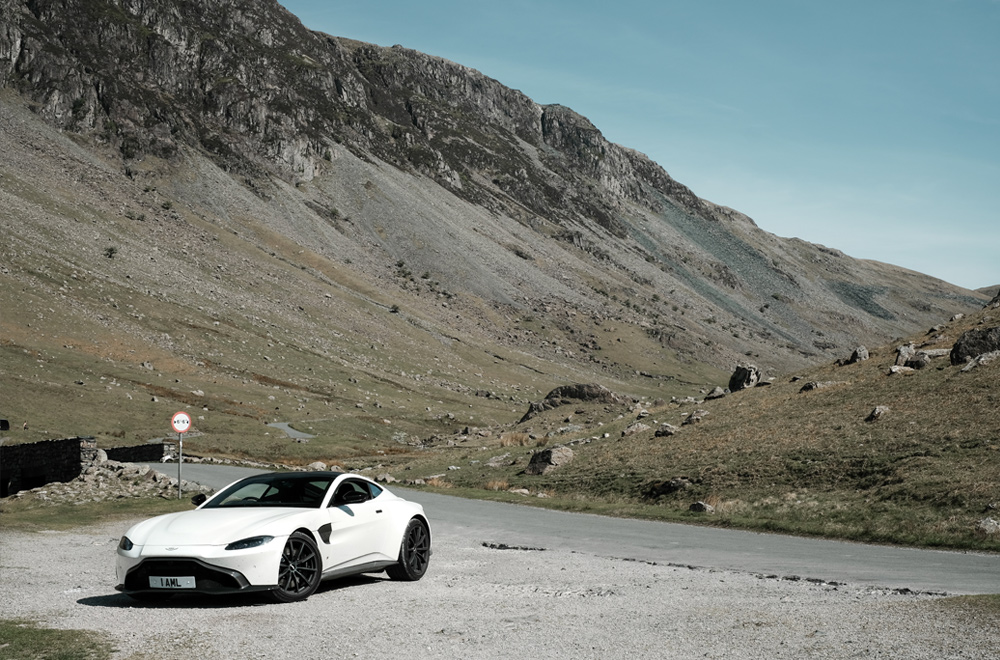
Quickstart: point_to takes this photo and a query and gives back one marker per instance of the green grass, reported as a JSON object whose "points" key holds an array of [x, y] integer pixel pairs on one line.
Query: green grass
{"points": [[31, 515], [26, 640]]}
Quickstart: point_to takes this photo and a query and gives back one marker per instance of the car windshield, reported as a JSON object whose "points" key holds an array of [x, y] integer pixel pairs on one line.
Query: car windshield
{"points": [[286, 490]]}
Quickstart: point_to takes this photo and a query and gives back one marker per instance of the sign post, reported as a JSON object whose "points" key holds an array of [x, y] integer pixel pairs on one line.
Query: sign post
{"points": [[181, 422]]}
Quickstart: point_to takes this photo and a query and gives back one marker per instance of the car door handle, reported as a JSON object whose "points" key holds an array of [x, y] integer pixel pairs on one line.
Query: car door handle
{"points": [[378, 510]]}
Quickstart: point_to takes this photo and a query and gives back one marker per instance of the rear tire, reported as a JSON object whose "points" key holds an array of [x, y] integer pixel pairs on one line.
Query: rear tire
{"points": [[414, 553]]}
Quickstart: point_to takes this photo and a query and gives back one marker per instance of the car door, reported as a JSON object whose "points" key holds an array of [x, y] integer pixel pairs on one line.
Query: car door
{"points": [[358, 525]]}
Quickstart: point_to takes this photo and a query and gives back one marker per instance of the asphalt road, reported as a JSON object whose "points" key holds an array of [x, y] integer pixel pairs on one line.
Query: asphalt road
{"points": [[686, 545]]}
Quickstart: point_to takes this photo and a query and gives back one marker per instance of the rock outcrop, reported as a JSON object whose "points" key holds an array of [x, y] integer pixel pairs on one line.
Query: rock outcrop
{"points": [[744, 377], [572, 394], [974, 343], [547, 460]]}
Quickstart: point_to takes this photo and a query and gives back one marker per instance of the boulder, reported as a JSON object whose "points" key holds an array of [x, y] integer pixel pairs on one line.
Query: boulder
{"points": [[816, 385], [502, 460], [981, 360], [543, 462], [974, 343], [859, 354], [702, 507], [665, 430], [876, 414], [637, 427], [572, 394], [744, 377], [904, 353], [694, 417], [657, 489], [988, 527], [717, 393]]}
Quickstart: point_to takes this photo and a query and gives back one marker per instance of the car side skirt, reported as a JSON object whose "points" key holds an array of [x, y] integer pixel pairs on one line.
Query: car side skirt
{"points": [[356, 569]]}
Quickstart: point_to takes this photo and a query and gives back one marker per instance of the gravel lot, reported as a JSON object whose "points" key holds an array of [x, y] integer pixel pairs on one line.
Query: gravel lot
{"points": [[479, 601]]}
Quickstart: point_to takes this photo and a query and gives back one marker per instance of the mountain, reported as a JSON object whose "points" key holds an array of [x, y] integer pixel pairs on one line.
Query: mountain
{"points": [[207, 204]]}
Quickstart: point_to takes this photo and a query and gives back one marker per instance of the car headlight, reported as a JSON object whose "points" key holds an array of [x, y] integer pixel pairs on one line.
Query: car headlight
{"points": [[125, 544], [252, 542]]}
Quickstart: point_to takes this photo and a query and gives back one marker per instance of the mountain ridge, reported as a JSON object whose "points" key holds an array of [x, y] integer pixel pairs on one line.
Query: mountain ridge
{"points": [[265, 185]]}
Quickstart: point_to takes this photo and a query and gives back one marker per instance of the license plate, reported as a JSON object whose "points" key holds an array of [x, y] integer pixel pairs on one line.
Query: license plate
{"points": [[156, 582]]}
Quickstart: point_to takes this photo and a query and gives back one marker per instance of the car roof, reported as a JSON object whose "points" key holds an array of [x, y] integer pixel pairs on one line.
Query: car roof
{"points": [[315, 474]]}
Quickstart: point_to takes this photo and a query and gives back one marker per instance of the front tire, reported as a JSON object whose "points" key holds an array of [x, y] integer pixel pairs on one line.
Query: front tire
{"points": [[299, 571], [414, 553]]}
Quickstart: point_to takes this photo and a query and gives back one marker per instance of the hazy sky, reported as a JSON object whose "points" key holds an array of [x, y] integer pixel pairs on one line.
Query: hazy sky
{"points": [[869, 126]]}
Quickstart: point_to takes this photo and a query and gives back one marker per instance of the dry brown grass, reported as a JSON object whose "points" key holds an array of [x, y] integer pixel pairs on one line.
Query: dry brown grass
{"points": [[723, 506], [497, 484], [438, 482], [514, 439]]}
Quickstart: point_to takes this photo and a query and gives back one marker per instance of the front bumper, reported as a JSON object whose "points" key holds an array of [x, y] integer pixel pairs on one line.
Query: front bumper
{"points": [[209, 579], [214, 569]]}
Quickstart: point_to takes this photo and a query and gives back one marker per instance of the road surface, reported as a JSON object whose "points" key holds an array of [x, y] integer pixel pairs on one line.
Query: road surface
{"points": [[686, 545]]}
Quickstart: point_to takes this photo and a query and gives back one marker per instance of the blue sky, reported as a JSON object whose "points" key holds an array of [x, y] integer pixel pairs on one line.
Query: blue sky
{"points": [[868, 126]]}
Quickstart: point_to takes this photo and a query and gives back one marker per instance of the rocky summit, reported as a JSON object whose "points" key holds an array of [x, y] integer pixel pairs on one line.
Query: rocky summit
{"points": [[207, 204]]}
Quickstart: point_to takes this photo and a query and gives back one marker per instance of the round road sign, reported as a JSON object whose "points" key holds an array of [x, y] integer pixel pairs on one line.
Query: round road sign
{"points": [[181, 422]]}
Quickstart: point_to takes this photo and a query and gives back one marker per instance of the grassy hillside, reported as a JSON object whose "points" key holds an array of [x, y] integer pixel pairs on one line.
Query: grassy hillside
{"points": [[773, 458], [126, 301]]}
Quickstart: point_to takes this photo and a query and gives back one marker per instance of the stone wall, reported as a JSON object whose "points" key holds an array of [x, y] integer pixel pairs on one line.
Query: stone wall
{"points": [[147, 453], [29, 465]]}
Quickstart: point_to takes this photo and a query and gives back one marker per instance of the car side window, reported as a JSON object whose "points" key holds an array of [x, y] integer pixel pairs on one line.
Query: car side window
{"points": [[351, 492], [375, 490]]}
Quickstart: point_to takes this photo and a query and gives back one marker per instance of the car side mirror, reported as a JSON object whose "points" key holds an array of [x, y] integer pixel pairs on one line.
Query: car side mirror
{"points": [[199, 499]]}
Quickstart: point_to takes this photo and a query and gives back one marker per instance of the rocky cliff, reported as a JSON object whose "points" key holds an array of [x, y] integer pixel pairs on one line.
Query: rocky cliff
{"points": [[246, 83]]}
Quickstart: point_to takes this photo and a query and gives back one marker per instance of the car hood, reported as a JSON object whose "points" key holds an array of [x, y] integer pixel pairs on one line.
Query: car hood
{"points": [[218, 526]]}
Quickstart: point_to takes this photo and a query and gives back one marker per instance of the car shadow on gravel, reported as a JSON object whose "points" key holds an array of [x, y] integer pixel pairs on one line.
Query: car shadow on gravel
{"points": [[200, 601]]}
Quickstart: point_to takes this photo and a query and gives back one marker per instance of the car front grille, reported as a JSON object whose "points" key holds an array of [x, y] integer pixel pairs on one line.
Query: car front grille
{"points": [[208, 578]]}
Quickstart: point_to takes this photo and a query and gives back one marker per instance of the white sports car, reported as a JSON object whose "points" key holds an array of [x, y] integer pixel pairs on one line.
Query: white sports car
{"points": [[281, 532]]}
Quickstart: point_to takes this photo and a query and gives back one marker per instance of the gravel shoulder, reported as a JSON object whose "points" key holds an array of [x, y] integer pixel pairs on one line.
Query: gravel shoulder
{"points": [[488, 601]]}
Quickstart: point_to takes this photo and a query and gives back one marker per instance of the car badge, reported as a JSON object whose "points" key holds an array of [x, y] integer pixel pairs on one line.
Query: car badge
{"points": [[170, 549]]}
